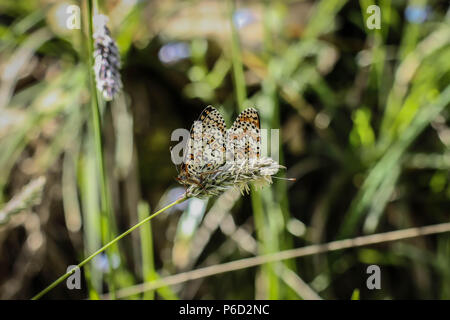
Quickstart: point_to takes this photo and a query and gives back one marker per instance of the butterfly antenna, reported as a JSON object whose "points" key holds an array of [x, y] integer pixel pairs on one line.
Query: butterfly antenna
{"points": [[176, 167], [288, 179]]}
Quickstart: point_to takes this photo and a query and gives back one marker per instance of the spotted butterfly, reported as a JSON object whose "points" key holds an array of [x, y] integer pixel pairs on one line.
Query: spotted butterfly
{"points": [[244, 137], [210, 144]]}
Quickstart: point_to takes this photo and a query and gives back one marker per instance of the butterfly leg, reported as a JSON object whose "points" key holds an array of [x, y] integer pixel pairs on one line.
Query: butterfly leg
{"points": [[209, 172], [201, 186]]}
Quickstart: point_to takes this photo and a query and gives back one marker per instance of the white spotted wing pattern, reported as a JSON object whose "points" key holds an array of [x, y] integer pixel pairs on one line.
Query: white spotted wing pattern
{"points": [[244, 137], [205, 150], [210, 144]]}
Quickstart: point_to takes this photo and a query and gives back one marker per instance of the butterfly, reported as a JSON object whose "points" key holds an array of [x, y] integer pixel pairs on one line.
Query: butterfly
{"points": [[244, 138], [211, 145]]}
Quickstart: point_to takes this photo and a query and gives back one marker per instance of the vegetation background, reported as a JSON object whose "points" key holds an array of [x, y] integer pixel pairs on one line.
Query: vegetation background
{"points": [[364, 128]]}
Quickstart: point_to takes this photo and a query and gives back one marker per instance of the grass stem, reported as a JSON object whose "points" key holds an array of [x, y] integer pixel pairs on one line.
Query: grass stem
{"points": [[106, 246], [106, 216]]}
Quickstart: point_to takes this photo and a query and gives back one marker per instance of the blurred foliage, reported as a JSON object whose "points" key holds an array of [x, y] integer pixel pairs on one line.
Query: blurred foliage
{"points": [[364, 128]]}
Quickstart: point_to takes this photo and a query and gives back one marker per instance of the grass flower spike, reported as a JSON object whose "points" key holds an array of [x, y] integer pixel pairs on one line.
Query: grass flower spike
{"points": [[106, 59], [236, 175]]}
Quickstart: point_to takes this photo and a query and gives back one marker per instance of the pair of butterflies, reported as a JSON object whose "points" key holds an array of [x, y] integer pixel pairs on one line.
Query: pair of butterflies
{"points": [[211, 145]]}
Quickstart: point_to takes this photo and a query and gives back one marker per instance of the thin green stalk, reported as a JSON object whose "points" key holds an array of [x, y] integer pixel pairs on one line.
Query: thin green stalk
{"points": [[241, 96], [105, 204], [275, 199], [236, 56], [95, 113], [106, 246], [148, 264]]}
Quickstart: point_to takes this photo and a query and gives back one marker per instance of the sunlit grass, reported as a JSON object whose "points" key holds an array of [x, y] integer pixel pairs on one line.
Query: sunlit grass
{"points": [[363, 119]]}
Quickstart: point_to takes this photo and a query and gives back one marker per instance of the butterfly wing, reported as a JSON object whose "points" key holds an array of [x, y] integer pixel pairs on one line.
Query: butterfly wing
{"points": [[244, 137], [206, 146]]}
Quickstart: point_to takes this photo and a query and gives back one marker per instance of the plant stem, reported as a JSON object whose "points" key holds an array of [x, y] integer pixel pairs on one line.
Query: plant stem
{"points": [[96, 121], [241, 96], [148, 265], [106, 216], [259, 260], [106, 246], [236, 56]]}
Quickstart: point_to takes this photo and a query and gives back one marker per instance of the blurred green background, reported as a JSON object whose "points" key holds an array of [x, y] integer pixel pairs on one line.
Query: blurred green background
{"points": [[364, 128]]}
